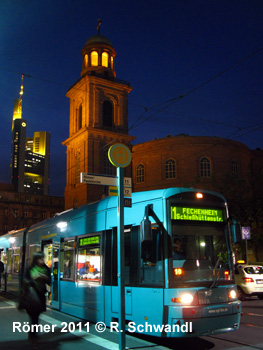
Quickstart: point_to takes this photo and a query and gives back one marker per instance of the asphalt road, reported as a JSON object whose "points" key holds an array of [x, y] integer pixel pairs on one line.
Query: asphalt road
{"points": [[249, 335]]}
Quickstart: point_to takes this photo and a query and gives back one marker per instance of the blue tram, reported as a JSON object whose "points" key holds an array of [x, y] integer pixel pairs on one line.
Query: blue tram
{"points": [[178, 262]]}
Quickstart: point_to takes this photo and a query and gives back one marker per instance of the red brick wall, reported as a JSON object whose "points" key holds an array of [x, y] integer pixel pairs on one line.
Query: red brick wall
{"points": [[187, 152]]}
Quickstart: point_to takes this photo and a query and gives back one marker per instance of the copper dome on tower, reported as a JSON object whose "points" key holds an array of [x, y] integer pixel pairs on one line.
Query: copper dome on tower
{"points": [[98, 39], [98, 56]]}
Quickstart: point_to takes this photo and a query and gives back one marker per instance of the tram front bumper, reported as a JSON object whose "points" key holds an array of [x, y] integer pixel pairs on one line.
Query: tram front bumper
{"points": [[196, 321]]}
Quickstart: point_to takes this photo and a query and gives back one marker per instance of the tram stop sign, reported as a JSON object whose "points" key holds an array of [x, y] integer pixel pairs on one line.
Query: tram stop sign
{"points": [[119, 155], [246, 233]]}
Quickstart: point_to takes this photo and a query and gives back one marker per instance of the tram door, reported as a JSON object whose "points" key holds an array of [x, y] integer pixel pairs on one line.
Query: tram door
{"points": [[51, 251]]}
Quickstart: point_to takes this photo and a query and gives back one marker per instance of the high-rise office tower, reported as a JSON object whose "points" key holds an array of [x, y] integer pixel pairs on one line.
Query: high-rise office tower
{"points": [[29, 166]]}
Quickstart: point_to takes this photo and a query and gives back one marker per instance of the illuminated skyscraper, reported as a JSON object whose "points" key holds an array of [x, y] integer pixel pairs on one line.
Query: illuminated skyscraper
{"points": [[29, 167]]}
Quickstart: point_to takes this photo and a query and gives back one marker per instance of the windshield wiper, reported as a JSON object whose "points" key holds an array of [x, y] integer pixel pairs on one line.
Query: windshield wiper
{"points": [[217, 277]]}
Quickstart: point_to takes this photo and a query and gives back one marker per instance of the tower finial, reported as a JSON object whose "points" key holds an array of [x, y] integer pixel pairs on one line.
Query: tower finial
{"points": [[22, 87], [98, 26]]}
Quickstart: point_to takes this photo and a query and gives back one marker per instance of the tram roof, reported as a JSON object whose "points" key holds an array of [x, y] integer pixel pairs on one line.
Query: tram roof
{"points": [[109, 203], [112, 202]]}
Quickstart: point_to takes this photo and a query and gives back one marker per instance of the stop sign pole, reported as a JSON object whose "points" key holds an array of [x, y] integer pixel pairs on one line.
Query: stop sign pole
{"points": [[120, 156]]}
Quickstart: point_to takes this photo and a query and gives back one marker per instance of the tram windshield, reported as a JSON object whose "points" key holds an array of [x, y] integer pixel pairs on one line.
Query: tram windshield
{"points": [[199, 246]]}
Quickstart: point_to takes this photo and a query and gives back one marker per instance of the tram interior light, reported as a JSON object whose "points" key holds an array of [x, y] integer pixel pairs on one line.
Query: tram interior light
{"points": [[62, 224], [199, 195], [12, 240]]}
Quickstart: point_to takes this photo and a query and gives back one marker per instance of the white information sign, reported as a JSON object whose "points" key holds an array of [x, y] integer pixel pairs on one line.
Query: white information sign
{"points": [[98, 179]]}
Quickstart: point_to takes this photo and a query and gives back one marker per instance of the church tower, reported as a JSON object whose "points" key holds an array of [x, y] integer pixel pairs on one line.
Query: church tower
{"points": [[98, 119]]}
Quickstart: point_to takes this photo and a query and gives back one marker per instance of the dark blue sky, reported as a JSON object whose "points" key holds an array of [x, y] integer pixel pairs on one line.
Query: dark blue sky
{"points": [[165, 49]]}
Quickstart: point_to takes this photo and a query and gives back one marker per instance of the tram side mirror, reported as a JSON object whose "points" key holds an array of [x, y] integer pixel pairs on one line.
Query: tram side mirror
{"points": [[236, 231], [146, 237], [146, 230]]}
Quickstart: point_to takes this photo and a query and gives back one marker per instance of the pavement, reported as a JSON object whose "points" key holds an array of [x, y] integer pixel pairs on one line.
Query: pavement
{"points": [[58, 331]]}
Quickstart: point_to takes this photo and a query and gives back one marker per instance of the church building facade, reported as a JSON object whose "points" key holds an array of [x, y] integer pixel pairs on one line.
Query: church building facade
{"points": [[99, 118]]}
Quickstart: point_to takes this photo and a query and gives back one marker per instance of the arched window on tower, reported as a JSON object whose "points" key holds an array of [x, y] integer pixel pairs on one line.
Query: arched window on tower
{"points": [[105, 59], [77, 167], [205, 167], [170, 169], [107, 114], [86, 61], [140, 170], [94, 57], [79, 122]]}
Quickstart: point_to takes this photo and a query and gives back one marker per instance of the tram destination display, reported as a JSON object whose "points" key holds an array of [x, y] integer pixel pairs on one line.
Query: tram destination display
{"points": [[196, 214]]}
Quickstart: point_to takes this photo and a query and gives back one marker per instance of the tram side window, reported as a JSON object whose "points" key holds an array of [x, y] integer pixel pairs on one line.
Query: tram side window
{"points": [[89, 259], [13, 260], [131, 253], [32, 249], [67, 259], [8, 261], [3, 257], [152, 268]]}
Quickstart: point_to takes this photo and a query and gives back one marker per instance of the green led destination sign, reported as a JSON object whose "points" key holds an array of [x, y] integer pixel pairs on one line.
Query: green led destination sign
{"points": [[89, 240], [196, 214]]}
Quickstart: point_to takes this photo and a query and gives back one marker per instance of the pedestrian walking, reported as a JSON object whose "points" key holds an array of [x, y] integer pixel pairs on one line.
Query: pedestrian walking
{"points": [[33, 295], [2, 269]]}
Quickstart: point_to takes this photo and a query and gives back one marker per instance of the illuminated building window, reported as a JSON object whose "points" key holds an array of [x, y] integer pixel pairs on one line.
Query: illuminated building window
{"points": [[105, 59], [94, 58], [86, 61], [170, 169], [111, 62], [205, 167], [107, 116], [140, 171]]}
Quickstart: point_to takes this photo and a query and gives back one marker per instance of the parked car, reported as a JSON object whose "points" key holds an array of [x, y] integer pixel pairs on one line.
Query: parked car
{"points": [[249, 280]]}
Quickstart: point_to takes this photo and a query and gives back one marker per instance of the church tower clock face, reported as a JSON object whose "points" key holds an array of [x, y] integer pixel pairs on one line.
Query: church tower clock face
{"points": [[98, 119]]}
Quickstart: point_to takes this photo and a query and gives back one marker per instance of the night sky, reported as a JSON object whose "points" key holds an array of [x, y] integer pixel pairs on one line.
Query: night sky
{"points": [[195, 67]]}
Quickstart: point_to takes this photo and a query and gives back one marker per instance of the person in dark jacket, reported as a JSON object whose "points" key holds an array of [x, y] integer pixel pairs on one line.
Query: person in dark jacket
{"points": [[2, 269], [37, 276]]}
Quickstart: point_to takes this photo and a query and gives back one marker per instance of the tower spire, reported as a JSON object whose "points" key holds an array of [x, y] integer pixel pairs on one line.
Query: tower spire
{"points": [[17, 114], [98, 26], [22, 86]]}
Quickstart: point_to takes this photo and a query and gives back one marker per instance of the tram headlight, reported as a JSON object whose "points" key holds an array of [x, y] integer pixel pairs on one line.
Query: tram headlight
{"points": [[232, 294], [185, 298]]}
